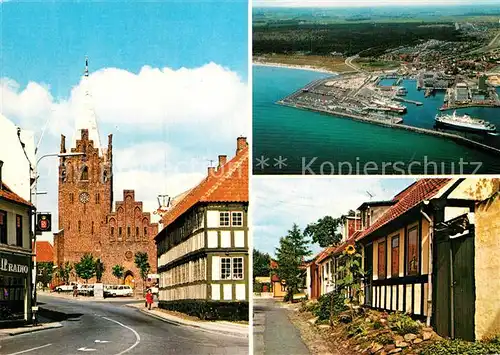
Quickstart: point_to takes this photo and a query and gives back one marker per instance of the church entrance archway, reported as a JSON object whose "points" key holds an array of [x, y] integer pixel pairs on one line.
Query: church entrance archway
{"points": [[129, 279]]}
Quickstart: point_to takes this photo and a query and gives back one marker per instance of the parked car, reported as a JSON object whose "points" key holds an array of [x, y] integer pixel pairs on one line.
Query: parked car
{"points": [[86, 290], [64, 288], [118, 290]]}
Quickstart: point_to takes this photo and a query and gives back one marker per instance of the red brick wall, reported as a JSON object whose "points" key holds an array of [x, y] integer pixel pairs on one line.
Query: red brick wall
{"points": [[87, 226]]}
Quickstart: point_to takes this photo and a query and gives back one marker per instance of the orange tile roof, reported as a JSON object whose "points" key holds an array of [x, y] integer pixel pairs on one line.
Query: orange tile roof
{"points": [[407, 199], [44, 251], [8, 194], [228, 184]]}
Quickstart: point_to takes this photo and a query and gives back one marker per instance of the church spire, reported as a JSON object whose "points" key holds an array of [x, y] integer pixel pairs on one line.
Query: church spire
{"points": [[85, 115]]}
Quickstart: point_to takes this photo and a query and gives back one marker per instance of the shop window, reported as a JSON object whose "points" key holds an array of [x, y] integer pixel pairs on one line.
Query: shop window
{"points": [[395, 256], [19, 230], [412, 252], [381, 260], [3, 227]]}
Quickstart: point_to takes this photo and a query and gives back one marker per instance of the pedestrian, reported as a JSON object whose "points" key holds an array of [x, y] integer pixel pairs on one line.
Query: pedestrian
{"points": [[75, 290], [149, 299]]}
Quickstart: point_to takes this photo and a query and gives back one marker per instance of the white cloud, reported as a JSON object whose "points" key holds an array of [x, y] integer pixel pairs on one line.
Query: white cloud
{"points": [[166, 124], [277, 203]]}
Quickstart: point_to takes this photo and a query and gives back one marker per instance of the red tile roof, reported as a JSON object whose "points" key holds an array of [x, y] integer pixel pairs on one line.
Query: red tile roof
{"points": [[336, 250], [407, 199], [8, 194], [274, 264], [228, 184], [44, 251]]}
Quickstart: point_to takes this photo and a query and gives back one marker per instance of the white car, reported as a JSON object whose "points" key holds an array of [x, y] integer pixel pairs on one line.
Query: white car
{"points": [[64, 288], [119, 290]]}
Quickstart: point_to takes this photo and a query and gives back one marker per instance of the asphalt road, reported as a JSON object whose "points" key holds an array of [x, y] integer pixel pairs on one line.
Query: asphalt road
{"points": [[111, 328], [273, 333]]}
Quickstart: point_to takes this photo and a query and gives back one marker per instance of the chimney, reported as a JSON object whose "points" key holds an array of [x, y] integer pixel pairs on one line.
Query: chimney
{"points": [[211, 171], [241, 143], [222, 161], [1, 165]]}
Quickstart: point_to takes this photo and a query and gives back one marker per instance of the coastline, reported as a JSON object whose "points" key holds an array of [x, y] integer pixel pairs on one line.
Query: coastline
{"points": [[296, 67]]}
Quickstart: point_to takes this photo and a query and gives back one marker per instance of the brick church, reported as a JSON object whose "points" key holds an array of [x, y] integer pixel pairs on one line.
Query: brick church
{"points": [[88, 221]]}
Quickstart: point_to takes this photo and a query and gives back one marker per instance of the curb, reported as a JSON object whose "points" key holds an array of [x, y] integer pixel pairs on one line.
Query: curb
{"points": [[33, 329], [199, 327]]}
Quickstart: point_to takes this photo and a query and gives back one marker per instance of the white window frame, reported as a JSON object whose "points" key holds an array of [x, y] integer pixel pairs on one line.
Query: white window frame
{"points": [[221, 213], [225, 275], [233, 213]]}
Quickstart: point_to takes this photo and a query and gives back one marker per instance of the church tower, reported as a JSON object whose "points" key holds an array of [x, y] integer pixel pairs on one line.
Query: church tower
{"points": [[85, 185]]}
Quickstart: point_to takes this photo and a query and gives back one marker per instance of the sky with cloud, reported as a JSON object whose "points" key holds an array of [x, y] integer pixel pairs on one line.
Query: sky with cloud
{"points": [[278, 203], [168, 80]]}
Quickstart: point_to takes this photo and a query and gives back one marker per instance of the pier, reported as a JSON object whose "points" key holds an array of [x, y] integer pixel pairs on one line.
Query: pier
{"points": [[402, 99]]}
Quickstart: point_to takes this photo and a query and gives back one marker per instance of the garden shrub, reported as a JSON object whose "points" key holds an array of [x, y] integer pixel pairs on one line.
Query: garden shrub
{"points": [[384, 339], [403, 324], [325, 305], [459, 347], [209, 310]]}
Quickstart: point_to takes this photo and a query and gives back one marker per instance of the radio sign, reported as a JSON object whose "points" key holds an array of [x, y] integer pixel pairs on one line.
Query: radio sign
{"points": [[14, 264], [43, 222]]}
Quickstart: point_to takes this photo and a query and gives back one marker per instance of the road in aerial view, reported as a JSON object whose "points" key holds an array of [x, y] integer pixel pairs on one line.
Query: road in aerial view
{"points": [[112, 328]]}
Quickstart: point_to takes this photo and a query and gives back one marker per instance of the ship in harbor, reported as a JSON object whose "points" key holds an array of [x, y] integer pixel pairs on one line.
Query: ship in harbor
{"points": [[391, 106], [465, 123]]}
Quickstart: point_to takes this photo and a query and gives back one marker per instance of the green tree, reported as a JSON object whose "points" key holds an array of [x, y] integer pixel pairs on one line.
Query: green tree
{"points": [[64, 271], [294, 247], [261, 264], [99, 270], [142, 263], [118, 272], [86, 267], [45, 272], [324, 231]]}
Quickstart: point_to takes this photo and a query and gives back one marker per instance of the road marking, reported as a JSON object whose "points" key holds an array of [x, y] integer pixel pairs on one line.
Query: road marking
{"points": [[28, 350], [101, 341], [86, 349], [137, 336]]}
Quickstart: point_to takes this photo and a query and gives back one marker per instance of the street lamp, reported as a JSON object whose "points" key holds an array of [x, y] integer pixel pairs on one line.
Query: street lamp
{"points": [[35, 193]]}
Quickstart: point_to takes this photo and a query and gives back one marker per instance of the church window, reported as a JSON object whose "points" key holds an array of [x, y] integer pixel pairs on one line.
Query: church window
{"points": [[128, 232], [69, 225], [85, 173], [92, 231], [145, 231], [136, 232], [97, 198], [119, 233], [71, 197], [112, 232], [79, 226]]}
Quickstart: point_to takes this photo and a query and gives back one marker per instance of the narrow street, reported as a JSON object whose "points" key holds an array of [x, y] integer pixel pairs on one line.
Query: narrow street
{"points": [[112, 328], [274, 334]]}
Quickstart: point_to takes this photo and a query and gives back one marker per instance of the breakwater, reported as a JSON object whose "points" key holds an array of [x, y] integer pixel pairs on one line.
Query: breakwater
{"points": [[453, 137]]}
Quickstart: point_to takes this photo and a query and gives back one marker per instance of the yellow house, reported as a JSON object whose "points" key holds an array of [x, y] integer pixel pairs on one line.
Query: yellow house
{"points": [[434, 253]]}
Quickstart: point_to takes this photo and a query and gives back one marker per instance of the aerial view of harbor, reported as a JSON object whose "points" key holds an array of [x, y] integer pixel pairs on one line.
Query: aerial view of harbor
{"points": [[374, 86]]}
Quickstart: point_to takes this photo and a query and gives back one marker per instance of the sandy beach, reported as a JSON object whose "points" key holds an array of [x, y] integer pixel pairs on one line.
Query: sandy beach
{"points": [[291, 66]]}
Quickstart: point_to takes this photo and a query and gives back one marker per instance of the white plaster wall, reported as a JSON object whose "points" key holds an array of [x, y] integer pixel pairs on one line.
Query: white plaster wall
{"points": [[239, 239], [212, 219], [16, 168]]}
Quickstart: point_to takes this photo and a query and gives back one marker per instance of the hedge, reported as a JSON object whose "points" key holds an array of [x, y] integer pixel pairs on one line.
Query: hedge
{"points": [[209, 310]]}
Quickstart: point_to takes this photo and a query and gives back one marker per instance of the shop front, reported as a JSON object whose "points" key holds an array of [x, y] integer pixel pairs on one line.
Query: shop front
{"points": [[15, 285]]}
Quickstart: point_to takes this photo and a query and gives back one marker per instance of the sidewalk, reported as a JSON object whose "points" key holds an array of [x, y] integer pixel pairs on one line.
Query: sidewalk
{"points": [[223, 327], [43, 325]]}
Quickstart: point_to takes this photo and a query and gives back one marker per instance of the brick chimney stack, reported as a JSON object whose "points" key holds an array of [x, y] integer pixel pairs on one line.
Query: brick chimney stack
{"points": [[63, 143], [222, 161], [211, 171], [241, 143]]}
